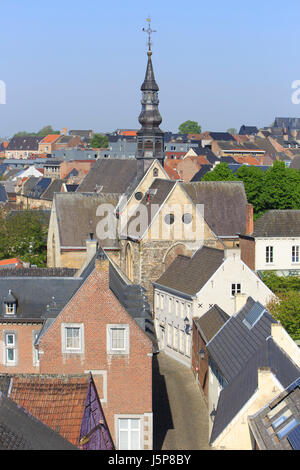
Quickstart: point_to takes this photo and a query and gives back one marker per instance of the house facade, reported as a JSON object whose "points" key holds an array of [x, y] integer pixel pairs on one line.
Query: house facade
{"points": [[191, 286], [274, 244]]}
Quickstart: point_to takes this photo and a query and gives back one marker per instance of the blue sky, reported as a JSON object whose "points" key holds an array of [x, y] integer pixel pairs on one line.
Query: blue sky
{"points": [[80, 65]]}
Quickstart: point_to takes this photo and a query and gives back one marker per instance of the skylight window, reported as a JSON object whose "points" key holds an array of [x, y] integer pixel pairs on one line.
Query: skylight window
{"points": [[254, 315], [284, 431]]}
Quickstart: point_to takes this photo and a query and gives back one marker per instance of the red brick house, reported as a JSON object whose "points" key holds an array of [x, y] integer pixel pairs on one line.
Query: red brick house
{"points": [[95, 333]]}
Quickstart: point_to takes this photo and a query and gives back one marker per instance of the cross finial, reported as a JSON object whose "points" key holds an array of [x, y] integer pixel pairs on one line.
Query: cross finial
{"points": [[149, 31]]}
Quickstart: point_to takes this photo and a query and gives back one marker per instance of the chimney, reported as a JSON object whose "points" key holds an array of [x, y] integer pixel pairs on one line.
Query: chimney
{"points": [[240, 301], [264, 375], [249, 219], [91, 248]]}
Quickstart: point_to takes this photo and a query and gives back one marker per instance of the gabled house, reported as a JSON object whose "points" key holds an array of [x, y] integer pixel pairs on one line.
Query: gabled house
{"points": [[46, 145], [191, 286], [22, 147], [274, 243], [95, 333], [251, 360]]}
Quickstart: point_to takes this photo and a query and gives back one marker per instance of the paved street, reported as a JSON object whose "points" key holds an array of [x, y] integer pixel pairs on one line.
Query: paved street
{"points": [[180, 417]]}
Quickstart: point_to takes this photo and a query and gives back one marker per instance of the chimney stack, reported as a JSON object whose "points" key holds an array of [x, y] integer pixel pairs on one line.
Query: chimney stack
{"points": [[249, 219]]}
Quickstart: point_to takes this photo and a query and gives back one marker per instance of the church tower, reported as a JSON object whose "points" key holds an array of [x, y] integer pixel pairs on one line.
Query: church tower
{"points": [[150, 138]]}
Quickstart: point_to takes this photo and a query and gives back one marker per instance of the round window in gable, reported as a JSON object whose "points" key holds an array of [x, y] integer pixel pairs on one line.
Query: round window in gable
{"points": [[138, 196], [169, 219], [187, 218]]}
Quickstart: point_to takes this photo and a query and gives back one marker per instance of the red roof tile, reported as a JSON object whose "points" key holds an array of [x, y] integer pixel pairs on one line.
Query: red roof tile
{"points": [[57, 401]]}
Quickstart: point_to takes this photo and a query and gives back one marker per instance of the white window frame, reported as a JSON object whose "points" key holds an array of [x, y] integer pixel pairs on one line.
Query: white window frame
{"points": [[295, 254], [235, 290], [35, 351], [129, 418], [68, 350], [10, 308], [269, 254], [7, 347], [109, 330]]}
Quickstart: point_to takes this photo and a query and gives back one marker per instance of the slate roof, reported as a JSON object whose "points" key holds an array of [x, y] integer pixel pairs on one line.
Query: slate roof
{"points": [[3, 195], [189, 274], [224, 204], [210, 323], [77, 217], [54, 187], [56, 400], [111, 175], [278, 223], [19, 430], [235, 343], [34, 294], [29, 185], [288, 123], [36, 272], [249, 130], [38, 190], [201, 173], [236, 394], [24, 143], [262, 423], [221, 136]]}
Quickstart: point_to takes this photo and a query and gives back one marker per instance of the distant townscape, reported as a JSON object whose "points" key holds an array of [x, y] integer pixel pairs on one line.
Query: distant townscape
{"points": [[150, 286]]}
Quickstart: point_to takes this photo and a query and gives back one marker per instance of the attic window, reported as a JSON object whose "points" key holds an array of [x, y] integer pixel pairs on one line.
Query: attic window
{"points": [[10, 308], [169, 219], [254, 315], [138, 196]]}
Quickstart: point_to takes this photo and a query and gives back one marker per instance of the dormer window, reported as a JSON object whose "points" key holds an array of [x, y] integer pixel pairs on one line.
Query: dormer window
{"points": [[10, 304], [10, 308]]}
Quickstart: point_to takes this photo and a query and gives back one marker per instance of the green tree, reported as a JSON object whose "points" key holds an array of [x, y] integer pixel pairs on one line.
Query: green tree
{"points": [[99, 141], [189, 127], [281, 284], [46, 130], [286, 309], [253, 179], [221, 172], [281, 188], [24, 236], [232, 130]]}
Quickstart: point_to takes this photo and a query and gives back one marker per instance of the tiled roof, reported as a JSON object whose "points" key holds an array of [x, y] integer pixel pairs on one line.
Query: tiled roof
{"points": [[11, 261], [235, 343], [49, 139], [210, 323], [24, 143], [189, 275], [56, 400], [278, 223], [224, 204], [19, 430]]}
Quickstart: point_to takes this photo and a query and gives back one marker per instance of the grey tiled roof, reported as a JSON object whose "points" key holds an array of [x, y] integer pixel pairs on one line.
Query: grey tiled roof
{"points": [[19, 430], [236, 394], [113, 175], [189, 275], [24, 143], [210, 323], [224, 204], [77, 217], [278, 223], [235, 343]]}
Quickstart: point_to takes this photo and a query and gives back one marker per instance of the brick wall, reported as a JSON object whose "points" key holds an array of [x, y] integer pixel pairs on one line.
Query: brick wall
{"points": [[247, 247], [125, 381]]}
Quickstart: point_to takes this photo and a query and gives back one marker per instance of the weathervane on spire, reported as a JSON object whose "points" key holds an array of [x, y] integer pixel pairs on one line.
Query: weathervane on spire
{"points": [[149, 31]]}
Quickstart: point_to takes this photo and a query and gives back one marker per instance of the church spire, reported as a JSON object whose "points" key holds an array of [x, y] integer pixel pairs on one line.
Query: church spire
{"points": [[150, 137]]}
